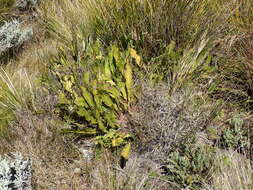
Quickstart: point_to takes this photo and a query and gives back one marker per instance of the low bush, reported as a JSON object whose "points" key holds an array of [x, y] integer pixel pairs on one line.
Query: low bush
{"points": [[161, 121], [94, 90], [135, 176], [25, 4]]}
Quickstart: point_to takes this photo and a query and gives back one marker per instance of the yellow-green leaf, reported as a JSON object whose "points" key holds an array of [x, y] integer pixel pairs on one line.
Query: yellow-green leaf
{"points": [[86, 78], [117, 141], [122, 88], [126, 151], [107, 71], [87, 115], [88, 97], [80, 102], [68, 86], [129, 79], [62, 99], [137, 58], [98, 102], [85, 131], [101, 126], [107, 100]]}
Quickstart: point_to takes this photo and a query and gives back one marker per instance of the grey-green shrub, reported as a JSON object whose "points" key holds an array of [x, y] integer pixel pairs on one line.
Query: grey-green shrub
{"points": [[12, 35], [24, 4], [15, 173]]}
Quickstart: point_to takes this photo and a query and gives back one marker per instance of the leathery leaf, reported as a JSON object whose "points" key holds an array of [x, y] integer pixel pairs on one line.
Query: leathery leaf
{"points": [[107, 100], [126, 151], [134, 55], [85, 131], [62, 99], [80, 102], [88, 97], [129, 79], [87, 115]]}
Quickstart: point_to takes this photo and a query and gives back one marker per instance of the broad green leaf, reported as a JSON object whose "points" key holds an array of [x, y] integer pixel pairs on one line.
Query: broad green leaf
{"points": [[98, 102], [87, 115], [171, 47], [110, 118], [88, 97], [122, 88], [68, 86], [115, 53], [112, 67], [101, 126], [117, 141], [114, 92], [107, 71]]}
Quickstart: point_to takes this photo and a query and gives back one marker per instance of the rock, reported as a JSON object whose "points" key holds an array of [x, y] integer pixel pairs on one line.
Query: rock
{"points": [[87, 154], [86, 147], [77, 171]]}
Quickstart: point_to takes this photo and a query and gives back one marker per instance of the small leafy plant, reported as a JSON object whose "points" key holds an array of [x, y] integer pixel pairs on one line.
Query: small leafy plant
{"points": [[235, 136], [190, 166]]}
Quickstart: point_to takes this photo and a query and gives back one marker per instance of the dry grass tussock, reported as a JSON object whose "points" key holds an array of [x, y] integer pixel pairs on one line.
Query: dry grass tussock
{"points": [[52, 156], [33, 59], [235, 172], [137, 175], [57, 164]]}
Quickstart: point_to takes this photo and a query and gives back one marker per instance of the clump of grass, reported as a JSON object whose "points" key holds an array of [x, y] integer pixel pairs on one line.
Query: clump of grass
{"points": [[133, 177], [150, 25], [235, 172], [64, 22], [234, 57], [14, 97], [5, 8]]}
